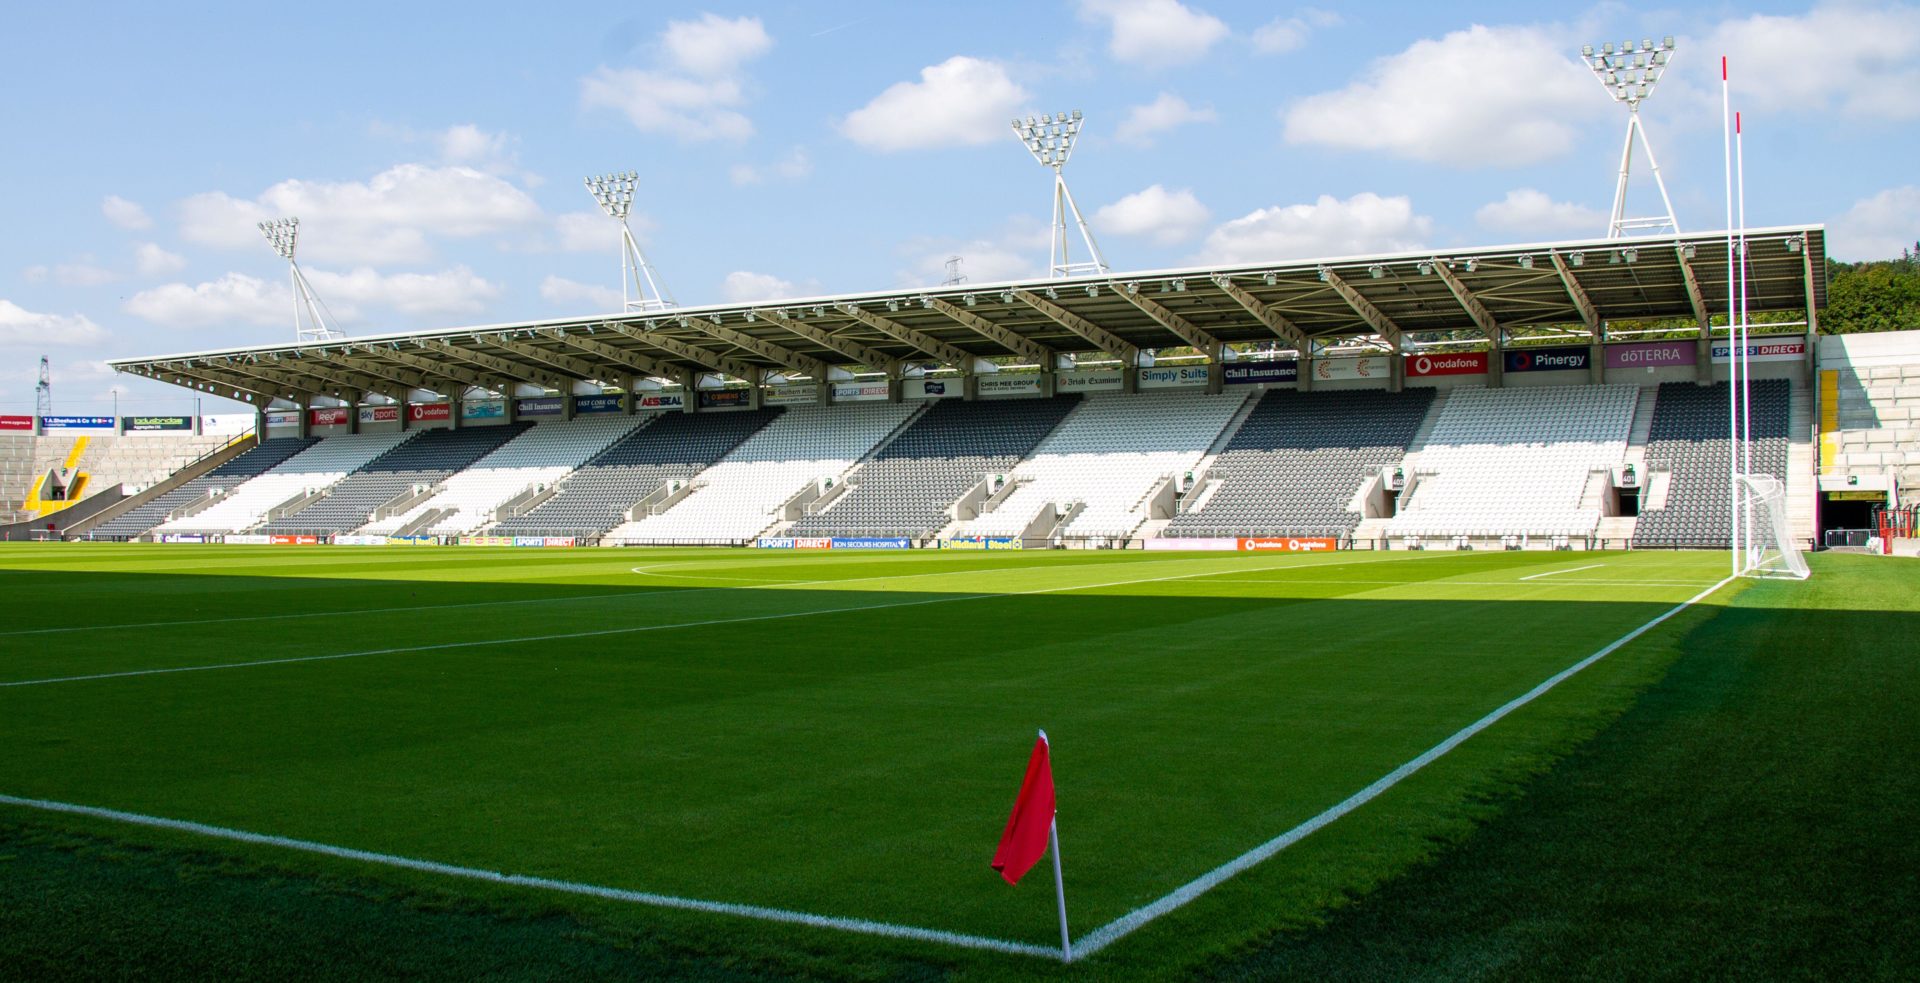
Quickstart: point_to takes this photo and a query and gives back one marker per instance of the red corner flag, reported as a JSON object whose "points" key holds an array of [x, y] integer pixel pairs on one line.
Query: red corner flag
{"points": [[1025, 840]]}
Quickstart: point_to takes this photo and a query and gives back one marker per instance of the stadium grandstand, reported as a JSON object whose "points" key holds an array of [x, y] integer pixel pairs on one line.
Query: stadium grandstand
{"points": [[1473, 398]]}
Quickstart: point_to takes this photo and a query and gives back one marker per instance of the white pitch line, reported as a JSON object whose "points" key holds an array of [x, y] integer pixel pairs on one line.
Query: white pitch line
{"points": [[1480, 583], [1556, 573], [596, 633], [858, 925], [1126, 924]]}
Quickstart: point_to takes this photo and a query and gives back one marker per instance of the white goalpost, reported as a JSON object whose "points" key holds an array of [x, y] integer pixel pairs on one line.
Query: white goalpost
{"points": [[1766, 547]]}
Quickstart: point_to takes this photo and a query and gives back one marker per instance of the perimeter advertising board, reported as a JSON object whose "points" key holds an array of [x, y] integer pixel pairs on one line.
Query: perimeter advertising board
{"points": [[156, 424], [76, 423], [1250, 544], [661, 401], [794, 543], [999, 386], [16, 424], [1766, 351], [283, 418], [983, 543], [1258, 373], [1564, 358], [483, 409], [293, 540], [583, 405], [548, 406], [1651, 355], [871, 543], [859, 392], [379, 414], [1173, 376], [933, 388], [329, 416], [247, 539], [429, 412], [725, 398], [1365, 367], [1089, 381], [790, 395], [1454, 363]]}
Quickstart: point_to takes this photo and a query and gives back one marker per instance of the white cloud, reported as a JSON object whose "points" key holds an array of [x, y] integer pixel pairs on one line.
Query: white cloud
{"points": [[1878, 227], [1155, 33], [388, 218], [695, 99], [1363, 223], [1284, 34], [741, 287], [1858, 59], [1441, 101], [234, 298], [151, 260], [960, 101], [714, 45], [1165, 216], [451, 291], [591, 232], [1143, 123], [1531, 212], [82, 273], [19, 326], [563, 292], [1016, 252], [793, 167], [125, 214]]}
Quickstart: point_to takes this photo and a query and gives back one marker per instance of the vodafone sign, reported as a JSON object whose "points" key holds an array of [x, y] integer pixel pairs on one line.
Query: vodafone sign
{"points": [[1458, 363], [423, 412]]}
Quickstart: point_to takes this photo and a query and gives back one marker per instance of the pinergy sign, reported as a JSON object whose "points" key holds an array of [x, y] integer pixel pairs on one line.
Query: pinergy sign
{"points": [[1557, 359]]}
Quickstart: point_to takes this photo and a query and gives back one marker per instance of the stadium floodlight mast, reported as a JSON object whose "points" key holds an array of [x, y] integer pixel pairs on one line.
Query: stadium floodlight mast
{"points": [[640, 288], [310, 322], [1629, 73], [1050, 141]]}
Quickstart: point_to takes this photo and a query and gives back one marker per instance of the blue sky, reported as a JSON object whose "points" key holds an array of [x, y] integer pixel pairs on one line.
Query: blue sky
{"points": [[434, 156]]}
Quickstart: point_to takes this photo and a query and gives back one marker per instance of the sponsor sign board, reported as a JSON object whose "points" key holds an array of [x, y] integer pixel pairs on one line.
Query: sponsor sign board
{"points": [[790, 395], [1650, 355], [283, 418], [859, 392], [871, 543], [982, 543], [1765, 351], [1560, 358], [486, 540], [1454, 363], [247, 539], [1089, 381], [1254, 373], [933, 388], [329, 416], [182, 537], [351, 540], [76, 423], [1215, 543], [794, 543], [411, 541], [153, 424], [1289, 544], [483, 409], [379, 414], [548, 406], [1169, 376], [12, 424], [725, 397], [293, 540], [1019, 384], [595, 404], [429, 412], [1364, 367], [661, 401]]}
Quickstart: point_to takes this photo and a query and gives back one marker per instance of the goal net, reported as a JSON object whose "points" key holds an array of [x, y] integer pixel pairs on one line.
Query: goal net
{"points": [[1766, 544]]}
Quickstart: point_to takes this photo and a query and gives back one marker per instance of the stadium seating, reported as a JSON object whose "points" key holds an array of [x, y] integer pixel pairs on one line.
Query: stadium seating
{"points": [[673, 447], [317, 468], [428, 459], [909, 485], [739, 497], [538, 457], [1104, 459], [1515, 462], [1297, 461], [232, 474], [1689, 441], [133, 461]]}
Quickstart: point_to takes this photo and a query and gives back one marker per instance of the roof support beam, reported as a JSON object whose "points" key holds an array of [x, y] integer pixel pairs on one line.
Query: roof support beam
{"points": [[359, 360], [949, 354], [1276, 322], [1096, 335], [1381, 324], [871, 357], [1004, 337], [1482, 318], [1694, 297], [437, 369], [1171, 321], [331, 374], [778, 354], [586, 370], [499, 367], [633, 362], [298, 380], [692, 353], [204, 379], [1589, 314]]}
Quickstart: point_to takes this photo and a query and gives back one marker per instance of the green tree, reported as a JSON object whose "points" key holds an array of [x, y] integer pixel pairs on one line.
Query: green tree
{"points": [[1878, 296]]}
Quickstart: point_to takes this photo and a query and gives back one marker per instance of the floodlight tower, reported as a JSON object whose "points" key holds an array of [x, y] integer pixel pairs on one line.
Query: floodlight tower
{"points": [[309, 323], [43, 392], [640, 288], [1051, 143], [1629, 73]]}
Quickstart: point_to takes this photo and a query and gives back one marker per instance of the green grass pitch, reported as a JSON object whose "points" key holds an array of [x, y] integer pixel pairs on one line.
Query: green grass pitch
{"points": [[837, 734]]}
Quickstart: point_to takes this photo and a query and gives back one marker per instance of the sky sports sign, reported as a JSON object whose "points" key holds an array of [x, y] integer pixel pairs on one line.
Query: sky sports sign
{"points": [[1568, 358]]}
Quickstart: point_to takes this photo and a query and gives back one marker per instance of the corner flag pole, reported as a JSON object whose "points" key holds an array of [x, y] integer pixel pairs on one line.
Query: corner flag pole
{"points": [[1060, 893]]}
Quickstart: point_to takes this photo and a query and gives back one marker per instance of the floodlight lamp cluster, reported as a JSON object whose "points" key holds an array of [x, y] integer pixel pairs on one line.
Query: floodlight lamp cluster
{"points": [[1050, 140], [1628, 71], [614, 192], [283, 234]]}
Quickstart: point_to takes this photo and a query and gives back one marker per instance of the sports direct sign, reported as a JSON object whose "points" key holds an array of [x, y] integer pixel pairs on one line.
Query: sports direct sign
{"points": [[1458, 363], [1765, 351]]}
